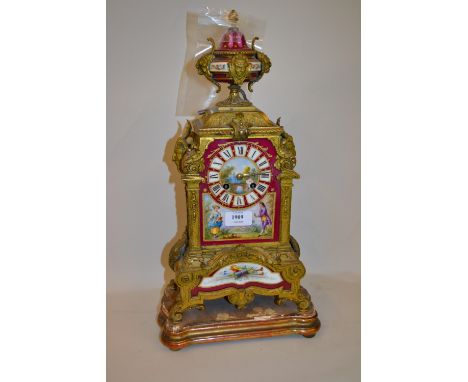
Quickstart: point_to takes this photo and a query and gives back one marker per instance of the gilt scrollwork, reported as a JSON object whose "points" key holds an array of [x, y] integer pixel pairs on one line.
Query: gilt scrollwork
{"points": [[240, 127], [203, 65], [185, 143], [191, 273], [301, 299], [241, 298], [194, 205], [192, 162], [188, 154], [266, 64], [186, 279], [294, 272], [214, 123], [242, 253], [286, 156]]}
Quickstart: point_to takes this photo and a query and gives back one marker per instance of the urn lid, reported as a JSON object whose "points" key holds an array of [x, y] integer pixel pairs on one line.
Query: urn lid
{"points": [[233, 39]]}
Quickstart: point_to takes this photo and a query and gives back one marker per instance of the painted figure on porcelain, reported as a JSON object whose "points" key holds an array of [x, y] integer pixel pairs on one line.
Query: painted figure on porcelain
{"points": [[216, 221], [264, 217]]}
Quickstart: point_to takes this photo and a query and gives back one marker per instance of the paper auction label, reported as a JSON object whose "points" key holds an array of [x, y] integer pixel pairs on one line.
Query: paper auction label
{"points": [[238, 218]]}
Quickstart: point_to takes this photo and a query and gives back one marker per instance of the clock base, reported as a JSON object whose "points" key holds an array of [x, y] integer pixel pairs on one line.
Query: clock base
{"points": [[221, 321]]}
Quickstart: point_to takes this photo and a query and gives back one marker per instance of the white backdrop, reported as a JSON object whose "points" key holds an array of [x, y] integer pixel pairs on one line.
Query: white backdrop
{"points": [[314, 85]]}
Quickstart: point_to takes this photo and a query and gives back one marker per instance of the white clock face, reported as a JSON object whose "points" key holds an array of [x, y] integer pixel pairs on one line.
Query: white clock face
{"points": [[239, 175]]}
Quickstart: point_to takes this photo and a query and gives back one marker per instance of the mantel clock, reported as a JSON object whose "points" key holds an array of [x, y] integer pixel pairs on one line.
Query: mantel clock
{"points": [[238, 170]]}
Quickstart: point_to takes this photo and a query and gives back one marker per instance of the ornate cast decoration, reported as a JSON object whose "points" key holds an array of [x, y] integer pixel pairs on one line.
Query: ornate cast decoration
{"points": [[241, 128], [203, 65], [233, 62], [266, 64], [234, 98], [287, 156], [239, 68], [291, 270], [191, 258]]}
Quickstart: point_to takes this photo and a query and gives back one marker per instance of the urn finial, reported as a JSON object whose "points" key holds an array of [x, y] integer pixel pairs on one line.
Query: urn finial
{"points": [[233, 61]]}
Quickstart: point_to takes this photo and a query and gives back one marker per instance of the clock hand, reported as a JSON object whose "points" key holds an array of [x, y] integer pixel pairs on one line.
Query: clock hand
{"points": [[240, 175]]}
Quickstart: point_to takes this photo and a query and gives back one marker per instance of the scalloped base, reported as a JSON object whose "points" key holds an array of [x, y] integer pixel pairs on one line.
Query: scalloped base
{"points": [[220, 321]]}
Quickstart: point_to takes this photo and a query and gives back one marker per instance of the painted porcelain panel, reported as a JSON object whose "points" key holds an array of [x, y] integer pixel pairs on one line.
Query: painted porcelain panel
{"points": [[240, 194], [223, 66], [241, 274], [255, 222]]}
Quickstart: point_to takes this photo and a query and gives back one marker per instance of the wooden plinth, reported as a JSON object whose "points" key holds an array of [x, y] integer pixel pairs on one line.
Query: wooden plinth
{"points": [[221, 321]]}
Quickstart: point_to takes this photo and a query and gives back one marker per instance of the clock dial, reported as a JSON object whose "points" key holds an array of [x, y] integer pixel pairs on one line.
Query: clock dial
{"points": [[239, 174], [240, 193]]}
